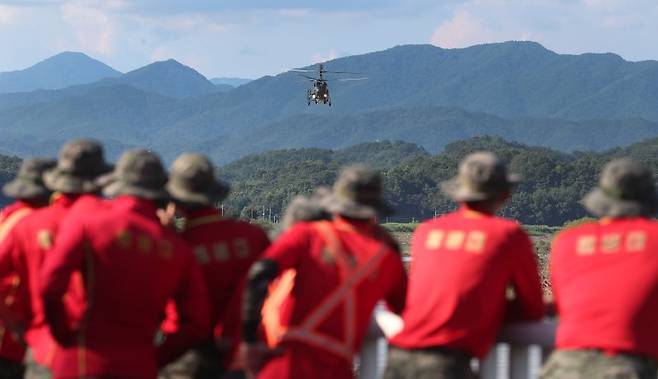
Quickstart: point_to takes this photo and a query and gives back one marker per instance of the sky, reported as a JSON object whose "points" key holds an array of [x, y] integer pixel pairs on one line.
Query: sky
{"points": [[252, 38]]}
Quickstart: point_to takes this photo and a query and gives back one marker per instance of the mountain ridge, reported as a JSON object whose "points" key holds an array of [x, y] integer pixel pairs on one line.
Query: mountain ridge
{"points": [[56, 72]]}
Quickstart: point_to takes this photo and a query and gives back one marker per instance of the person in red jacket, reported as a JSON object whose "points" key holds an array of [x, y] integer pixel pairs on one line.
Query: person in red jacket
{"points": [[462, 264], [342, 269], [131, 266], [225, 249], [30, 193], [23, 250], [605, 281]]}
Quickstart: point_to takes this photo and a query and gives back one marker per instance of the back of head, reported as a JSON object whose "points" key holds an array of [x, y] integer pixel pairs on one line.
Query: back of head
{"points": [[79, 163], [482, 182], [306, 208], [193, 183], [358, 194], [626, 189], [138, 173], [28, 184]]}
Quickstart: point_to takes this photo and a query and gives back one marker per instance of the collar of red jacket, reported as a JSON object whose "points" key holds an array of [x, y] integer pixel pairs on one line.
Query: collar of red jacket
{"points": [[353, 225], [467, 212], [63, 199], [202, 212], [144, 207]]}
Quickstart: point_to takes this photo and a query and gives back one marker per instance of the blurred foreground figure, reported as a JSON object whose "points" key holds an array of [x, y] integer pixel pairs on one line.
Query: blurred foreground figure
{"points": [[306, 208], [28, 244], [605, 282], [342, 269], [30, 193], [131, 266], [462, 264], [225, 249]]}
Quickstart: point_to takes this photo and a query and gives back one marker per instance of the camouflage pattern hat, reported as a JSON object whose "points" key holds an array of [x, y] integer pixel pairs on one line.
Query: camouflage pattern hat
{"points": [[79, 163], [192, 181], [306, 208], [481, 176], [626, 188], [28, 184], [358, 194], [138, 173]]}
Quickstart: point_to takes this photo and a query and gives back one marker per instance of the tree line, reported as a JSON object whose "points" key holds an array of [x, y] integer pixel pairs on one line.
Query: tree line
{"points": [[553, 182]]}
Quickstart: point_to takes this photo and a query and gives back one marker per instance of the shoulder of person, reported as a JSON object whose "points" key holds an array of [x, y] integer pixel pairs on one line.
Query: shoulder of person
{"points": [[385, 237]]}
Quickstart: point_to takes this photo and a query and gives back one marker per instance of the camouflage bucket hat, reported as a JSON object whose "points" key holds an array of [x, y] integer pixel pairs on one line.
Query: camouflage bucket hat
{"points": [[192, 181], [358, 194], [79, 163], [626, 188], [306, 208], [481, 176], [29, 184], [138, 173]]}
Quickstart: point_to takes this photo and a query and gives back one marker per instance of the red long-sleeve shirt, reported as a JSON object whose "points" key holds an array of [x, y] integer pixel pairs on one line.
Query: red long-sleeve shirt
{"points": [[461, 265], [11, 287], [318, 275], [22, 251], [131, 266], [605, 282], [225, 250]]}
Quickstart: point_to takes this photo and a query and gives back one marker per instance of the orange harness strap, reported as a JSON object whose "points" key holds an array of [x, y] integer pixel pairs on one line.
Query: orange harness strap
{"points": [[352, 274], [7, 225]]}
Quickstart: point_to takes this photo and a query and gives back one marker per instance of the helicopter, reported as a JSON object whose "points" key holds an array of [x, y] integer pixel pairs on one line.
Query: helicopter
{"points": [[319, 92]]}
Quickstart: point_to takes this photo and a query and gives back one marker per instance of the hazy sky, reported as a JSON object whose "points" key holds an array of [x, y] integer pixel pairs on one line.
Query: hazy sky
{"points": [[251, 38]]}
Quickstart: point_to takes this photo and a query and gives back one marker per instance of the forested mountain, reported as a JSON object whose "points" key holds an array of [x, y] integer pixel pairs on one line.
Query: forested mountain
{"points": [[168, 78], [59, 71], [417, 93], [553, 182], [233, 82]]}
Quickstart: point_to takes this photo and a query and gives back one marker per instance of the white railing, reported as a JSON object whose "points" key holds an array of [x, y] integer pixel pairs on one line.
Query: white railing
{"points": [[519, 354]]}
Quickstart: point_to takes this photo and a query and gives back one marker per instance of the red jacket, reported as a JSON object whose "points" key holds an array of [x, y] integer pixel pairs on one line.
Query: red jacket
{"points": [[10, 287], [23, 251], [130, 265], [461, 266], [225, 249], [605, 282], [343, 268]]}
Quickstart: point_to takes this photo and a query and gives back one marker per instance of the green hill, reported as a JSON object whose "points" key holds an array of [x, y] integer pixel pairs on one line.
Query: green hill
{"points": [[553, 182]]}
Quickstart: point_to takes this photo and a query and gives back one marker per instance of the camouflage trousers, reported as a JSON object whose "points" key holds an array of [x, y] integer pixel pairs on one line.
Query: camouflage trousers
{"points": [[10, 369], [193, 365], [587, 364], [33, 370], [428, 364]]}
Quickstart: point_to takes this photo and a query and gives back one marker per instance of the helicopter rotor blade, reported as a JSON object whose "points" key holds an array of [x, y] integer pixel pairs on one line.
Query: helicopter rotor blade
{"points": [[308, 77], [350, 79], [341, 72], [302, 70], [344, 79]]}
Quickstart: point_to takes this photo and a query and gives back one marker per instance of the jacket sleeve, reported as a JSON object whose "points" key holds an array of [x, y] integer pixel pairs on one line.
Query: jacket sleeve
{"points": [[7, 253], [15, 317], [193, 312], [283, 254], [529, 303], [67, 256]]}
